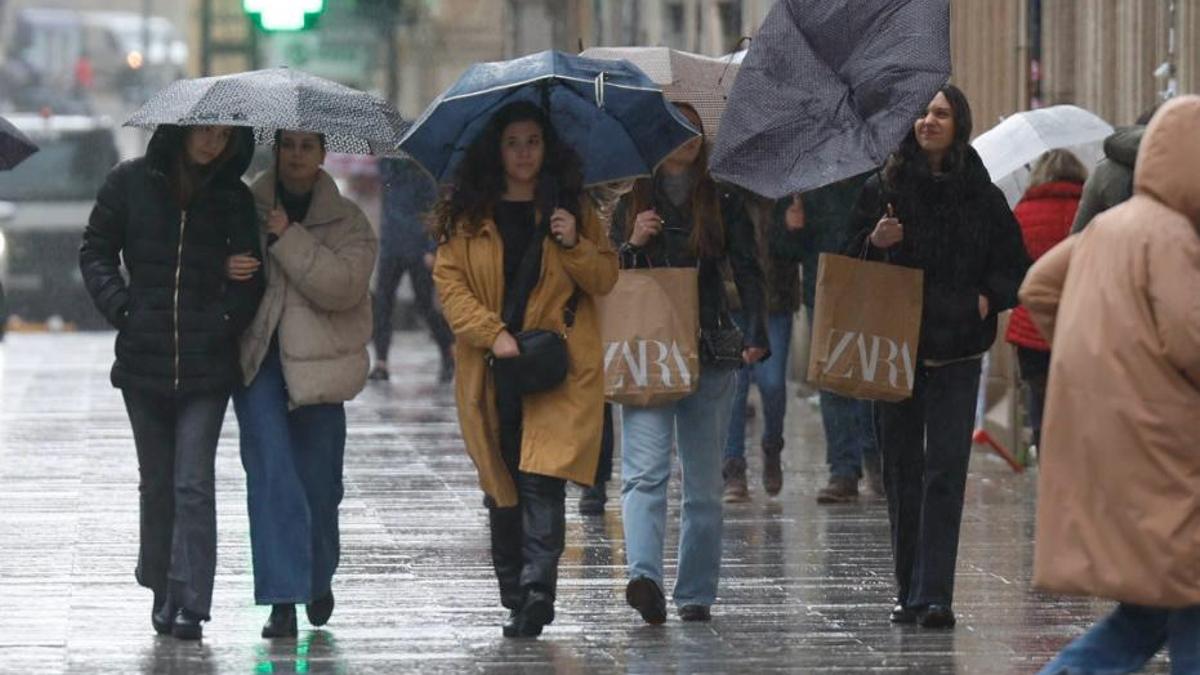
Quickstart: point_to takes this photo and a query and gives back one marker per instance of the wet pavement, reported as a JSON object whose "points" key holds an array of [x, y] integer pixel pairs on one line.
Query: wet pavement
{"points": [[805, 588]]}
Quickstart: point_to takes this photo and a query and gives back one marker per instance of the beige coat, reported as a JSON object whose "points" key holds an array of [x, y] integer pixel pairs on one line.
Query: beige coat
{"points": [[317, 282], [1119, 491], [561, 427]]}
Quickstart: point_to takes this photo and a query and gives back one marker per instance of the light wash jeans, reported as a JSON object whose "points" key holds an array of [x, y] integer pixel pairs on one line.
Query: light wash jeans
{"points": [[699, 424], [1124, 641]]}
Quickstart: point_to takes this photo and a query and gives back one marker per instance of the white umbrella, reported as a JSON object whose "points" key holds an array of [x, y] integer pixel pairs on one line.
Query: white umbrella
{"points": [[702, 81], [1008, 148]]}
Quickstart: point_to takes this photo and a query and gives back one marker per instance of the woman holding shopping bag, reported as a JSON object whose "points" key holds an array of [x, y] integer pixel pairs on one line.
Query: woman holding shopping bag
{"points": [[681, 218], [515, 233], [303, 356], [935, 209], [172, 217], [1119, 484]]}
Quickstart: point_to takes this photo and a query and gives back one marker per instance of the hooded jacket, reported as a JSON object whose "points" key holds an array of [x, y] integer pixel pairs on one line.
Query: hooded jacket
{"points": [[177, 317], [1119, 481], [1112, 181]]}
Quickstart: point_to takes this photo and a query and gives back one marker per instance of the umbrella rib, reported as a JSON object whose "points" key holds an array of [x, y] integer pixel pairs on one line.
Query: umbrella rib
{"points": [[522, 83]]}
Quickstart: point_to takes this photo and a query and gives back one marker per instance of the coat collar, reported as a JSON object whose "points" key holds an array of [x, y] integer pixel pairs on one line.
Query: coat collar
{"points": [[327, 206]]}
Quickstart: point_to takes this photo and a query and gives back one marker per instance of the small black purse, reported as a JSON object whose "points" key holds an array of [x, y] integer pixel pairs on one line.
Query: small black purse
{"points": [[543, 360], [721, 347]]}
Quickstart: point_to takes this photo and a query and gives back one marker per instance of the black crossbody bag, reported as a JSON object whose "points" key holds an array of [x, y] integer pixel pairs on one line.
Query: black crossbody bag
{"points": [[543, 361]]}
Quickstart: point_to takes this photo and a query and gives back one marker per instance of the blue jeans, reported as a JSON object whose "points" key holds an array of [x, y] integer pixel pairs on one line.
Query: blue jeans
{"points": [[699, 422], [849, 434], [1125, 640], [771, 378], [293, 463]]}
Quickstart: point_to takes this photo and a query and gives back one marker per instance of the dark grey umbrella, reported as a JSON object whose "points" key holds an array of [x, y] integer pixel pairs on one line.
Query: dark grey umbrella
{"points": [[14, 145], [352, 121], [829, 89]]}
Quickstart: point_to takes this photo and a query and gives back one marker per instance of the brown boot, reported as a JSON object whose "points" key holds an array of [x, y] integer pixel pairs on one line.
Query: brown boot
{"points": [[772, 477], [841, 489], [734, 472]]}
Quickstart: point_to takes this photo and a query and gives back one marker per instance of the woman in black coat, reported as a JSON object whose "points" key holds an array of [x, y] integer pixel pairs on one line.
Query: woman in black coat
{"points": [[173, 216], [935, 209]]}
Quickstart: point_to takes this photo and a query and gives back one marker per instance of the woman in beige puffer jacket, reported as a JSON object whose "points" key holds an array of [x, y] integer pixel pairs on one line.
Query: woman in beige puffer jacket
{"points": [[304, 354]]}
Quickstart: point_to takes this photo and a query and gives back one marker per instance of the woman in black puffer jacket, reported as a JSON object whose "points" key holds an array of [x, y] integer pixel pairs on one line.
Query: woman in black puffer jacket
{"points": [[936, 210], [173, 216]]}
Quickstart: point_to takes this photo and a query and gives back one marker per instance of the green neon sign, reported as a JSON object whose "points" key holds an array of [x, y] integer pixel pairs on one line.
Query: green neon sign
{"points": [[284, 15]]}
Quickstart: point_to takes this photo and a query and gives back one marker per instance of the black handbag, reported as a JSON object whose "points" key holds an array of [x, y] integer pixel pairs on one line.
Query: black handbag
{"points": [[543, 361], [722, 346]]}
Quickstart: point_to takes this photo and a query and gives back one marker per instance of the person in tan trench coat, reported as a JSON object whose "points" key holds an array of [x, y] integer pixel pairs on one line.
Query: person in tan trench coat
{"points": [[524, 448], [1119, 491]]}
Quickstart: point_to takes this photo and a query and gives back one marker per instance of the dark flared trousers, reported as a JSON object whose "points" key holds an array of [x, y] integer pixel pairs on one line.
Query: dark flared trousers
{"points": [[391, 270], [926, 446], [176, 439], [527, 539]]}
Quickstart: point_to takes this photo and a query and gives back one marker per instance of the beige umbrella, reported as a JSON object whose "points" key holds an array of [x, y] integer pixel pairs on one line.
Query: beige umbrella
{"points": [[702, 81]]}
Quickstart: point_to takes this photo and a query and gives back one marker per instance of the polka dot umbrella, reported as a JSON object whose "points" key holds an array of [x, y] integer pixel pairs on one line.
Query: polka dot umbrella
{"points": [[352, 121]]}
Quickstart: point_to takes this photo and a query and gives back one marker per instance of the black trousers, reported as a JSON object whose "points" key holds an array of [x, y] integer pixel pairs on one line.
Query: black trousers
{"points": [[391, 270], [527, 539], [1035, 372], [176, 439], [925, 443], [604, 470]]}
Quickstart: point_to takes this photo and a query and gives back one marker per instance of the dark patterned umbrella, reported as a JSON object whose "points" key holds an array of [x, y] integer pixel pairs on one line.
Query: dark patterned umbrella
{"points": [[279, 98], [829, 89], [14, 145]]}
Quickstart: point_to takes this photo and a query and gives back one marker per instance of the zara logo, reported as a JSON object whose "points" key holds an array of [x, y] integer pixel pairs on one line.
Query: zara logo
{"points": [[667, 358], [856, 355]]}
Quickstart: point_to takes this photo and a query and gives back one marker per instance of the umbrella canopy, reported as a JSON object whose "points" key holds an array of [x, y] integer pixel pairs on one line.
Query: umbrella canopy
{"points": [[701, 81], [15, 146], [609, 112], [828, 90], [279, 98], [1011, 145]]}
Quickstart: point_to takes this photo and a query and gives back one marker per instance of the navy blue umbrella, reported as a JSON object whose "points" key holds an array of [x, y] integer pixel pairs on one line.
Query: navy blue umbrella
{"points": [[829, 89], [14, 145], [609, 112]]}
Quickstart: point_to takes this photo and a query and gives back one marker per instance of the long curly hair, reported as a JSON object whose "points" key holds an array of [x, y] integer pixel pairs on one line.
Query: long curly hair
{"points": [[479, 181], [908, 165], [708, 229]]}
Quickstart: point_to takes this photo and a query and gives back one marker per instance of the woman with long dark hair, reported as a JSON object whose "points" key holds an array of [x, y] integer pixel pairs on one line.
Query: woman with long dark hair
{"points": [[517, 192], [936, 210], [681, 218], [173, 216]]}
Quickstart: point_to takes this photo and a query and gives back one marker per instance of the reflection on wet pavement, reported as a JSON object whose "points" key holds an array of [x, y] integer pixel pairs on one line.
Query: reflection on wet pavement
{"points": [[804, 588]]}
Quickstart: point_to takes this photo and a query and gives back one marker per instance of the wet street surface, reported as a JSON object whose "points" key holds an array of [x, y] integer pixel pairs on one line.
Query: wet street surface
{"points": [[805, 588]]}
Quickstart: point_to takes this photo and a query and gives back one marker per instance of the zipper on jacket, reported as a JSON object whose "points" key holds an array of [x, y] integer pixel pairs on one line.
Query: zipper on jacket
{"points": [[178, 275]]}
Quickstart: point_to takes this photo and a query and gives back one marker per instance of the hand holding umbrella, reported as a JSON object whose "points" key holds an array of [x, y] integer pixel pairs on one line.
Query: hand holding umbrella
{"points": [[646, 226]]}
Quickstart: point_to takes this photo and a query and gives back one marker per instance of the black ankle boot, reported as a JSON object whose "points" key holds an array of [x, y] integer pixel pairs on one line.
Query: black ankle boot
{"points": [[187, 626], [536, 613], [320, 610], [162, 614], [281, 623]]}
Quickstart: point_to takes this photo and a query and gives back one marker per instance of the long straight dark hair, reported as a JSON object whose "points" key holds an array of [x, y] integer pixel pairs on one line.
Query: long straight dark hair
{"points": [[187, 179], [708, 226], [480, 181], [908, 164]]}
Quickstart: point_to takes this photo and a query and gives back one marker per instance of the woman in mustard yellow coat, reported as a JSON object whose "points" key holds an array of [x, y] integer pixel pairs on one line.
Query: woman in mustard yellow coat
{"points": [[524, 447]]}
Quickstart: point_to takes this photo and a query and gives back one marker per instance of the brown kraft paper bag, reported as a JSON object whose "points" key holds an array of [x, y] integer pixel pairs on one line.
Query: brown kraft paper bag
{"points": [[650, 326], [866, 326]]}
